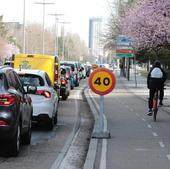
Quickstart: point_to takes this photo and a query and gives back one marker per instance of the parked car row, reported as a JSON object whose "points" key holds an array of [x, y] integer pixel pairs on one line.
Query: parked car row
{"points": [[30, 93]]}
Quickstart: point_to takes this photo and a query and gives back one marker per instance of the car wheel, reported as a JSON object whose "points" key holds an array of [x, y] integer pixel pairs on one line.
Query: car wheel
{"points": [[64, 97], [56, 118], [15, 142], [26, 138], [50, 124]]}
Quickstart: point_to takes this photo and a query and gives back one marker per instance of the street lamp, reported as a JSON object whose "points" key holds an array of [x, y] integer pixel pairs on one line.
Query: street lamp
{"points": [[63, 38], [44, 4], [56, 33], [23, 45]]}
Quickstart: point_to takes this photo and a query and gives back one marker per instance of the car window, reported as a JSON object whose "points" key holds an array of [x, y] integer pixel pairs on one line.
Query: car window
{"points": [[30, 79], [11, 79], [19, 84], [48, 79]]}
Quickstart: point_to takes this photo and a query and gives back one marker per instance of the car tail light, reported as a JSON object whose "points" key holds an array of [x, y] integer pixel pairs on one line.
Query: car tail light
{"points": [[7, 99], [4, 123], [47, 94], [63, 81]]}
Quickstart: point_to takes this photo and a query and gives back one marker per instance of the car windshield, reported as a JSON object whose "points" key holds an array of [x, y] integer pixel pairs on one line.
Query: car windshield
{"points": [[30, 79]]}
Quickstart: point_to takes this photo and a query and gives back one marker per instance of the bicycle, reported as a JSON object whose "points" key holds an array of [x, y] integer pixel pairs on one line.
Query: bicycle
{"points": [[155, 104]]}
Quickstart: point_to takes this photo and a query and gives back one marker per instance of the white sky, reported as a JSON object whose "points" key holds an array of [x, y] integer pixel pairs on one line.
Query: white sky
{"points": [[77, 12]]}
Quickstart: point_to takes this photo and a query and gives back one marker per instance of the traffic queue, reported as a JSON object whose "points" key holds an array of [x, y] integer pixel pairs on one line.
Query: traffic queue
{"points": [[30, 91]]}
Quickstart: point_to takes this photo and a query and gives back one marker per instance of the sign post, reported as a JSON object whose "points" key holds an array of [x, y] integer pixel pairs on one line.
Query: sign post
{"points": [[101, 81]]}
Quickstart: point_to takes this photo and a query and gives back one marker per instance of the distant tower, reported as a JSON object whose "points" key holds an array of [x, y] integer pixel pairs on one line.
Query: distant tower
{"points": [[95, 45]]}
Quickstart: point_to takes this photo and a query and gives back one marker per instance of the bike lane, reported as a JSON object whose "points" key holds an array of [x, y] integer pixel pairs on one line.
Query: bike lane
{"points": [[136, 141]]}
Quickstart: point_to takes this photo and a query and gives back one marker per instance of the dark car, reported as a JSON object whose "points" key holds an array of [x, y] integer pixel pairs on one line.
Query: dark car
{"points": [[74, 69], [65, 85], [15, 111], [70, 76]]}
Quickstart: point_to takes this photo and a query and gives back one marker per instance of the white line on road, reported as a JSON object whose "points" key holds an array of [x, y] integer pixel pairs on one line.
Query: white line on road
{"points": [[162, 144], [149, 126], [154, 134], [103, 154], [143, 119], [168, 156], [137, 115]]}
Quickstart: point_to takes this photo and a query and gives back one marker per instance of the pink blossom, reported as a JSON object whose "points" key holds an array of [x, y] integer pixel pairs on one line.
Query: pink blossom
{"points": [[148, 23]]}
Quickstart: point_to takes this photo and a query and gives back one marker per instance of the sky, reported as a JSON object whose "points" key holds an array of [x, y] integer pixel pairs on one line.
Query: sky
{"points": [[77, 12]]}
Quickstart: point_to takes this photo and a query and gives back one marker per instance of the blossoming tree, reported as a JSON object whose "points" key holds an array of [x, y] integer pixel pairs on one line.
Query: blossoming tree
{"points": [[148, 23]]}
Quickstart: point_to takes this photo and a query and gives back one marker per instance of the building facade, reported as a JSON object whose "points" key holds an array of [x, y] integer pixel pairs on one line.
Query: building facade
{"points": [[95, 35]]}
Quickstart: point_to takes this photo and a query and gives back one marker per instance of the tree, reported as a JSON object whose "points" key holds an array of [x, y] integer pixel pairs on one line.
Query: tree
{"points": [[148, 23]]}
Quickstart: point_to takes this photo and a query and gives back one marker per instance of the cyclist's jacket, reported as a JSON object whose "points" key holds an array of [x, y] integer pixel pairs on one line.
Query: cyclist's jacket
{"points": [[156, 78]]}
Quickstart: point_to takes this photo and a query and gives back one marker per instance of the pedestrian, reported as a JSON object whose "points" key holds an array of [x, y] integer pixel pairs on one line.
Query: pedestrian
{"points": [[155, 80], [121, 66]]}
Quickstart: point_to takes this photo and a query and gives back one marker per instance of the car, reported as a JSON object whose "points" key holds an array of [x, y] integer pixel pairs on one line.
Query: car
{"points": [[65, 84], [70, 76], [15, 111], [45, 99], [74, 69]]}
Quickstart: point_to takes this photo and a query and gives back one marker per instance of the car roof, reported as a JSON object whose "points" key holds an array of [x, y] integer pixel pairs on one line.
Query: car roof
{"points": [[4, 68], [31, 71]]}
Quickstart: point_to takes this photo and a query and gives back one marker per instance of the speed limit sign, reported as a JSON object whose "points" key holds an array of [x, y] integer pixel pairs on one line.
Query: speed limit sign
{"points": [[102, 81]]}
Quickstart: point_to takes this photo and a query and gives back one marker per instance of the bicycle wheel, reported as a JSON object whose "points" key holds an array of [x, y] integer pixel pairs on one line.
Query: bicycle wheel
{"points": [[155, 106]]}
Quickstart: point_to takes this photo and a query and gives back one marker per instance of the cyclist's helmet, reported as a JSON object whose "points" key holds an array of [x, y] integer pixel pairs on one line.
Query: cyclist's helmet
{"points": [[157, 63]]}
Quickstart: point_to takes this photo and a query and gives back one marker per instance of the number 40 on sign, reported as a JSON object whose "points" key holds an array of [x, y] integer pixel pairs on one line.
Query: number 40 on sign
{"points": [[102, 81]]}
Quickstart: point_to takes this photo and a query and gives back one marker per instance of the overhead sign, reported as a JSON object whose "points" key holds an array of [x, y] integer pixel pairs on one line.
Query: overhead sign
{"points": [[123, 40], [124, 47], [124, 51], [102, 81], [129, 55]]}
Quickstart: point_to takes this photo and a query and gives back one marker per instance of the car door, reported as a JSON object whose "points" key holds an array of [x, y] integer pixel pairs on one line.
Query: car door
{"points": [[26, 105]]}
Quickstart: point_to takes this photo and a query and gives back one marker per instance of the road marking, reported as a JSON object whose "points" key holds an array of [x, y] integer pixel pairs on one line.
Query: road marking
{"points": [[131, 110], [155, 134], [103, 154], [137, 115], [168, 156], [161, 144], [149, 126], [143, 119], [60, 158]]}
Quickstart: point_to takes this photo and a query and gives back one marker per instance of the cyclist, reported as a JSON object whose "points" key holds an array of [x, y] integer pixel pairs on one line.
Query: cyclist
{"points": [[155, 80]]}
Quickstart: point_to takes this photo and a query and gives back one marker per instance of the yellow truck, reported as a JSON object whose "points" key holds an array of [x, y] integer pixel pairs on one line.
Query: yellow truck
{"points": [[48, 63]]}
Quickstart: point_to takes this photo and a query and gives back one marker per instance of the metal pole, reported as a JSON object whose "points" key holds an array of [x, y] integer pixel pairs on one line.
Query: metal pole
{"points": [[43, 27], [44, 3], [135, 70], [101, 132], [63, 43], [23, 46], [101, 112], [57, 52], [56, 33]]}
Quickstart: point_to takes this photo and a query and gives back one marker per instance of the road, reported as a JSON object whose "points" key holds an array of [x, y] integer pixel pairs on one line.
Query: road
{"points": [[136, 141], [53, 149]]}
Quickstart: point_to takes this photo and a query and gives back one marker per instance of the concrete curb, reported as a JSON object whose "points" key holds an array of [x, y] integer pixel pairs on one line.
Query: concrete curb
{"points": [[91, 155]]}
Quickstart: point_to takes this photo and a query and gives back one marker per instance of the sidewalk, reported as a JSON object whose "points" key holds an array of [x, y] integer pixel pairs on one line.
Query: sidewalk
{"points": [[140, 89]]}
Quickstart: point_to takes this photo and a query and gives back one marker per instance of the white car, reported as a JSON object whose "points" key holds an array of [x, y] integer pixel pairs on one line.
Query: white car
{"points": [[45, 100]]}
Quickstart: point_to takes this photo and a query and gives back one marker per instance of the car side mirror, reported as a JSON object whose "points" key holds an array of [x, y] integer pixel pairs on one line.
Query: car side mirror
{"points": [[31, 89]]}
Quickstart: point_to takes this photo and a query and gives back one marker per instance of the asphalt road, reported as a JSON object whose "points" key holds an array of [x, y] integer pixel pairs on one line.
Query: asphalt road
{"points": [[51, 149]]}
